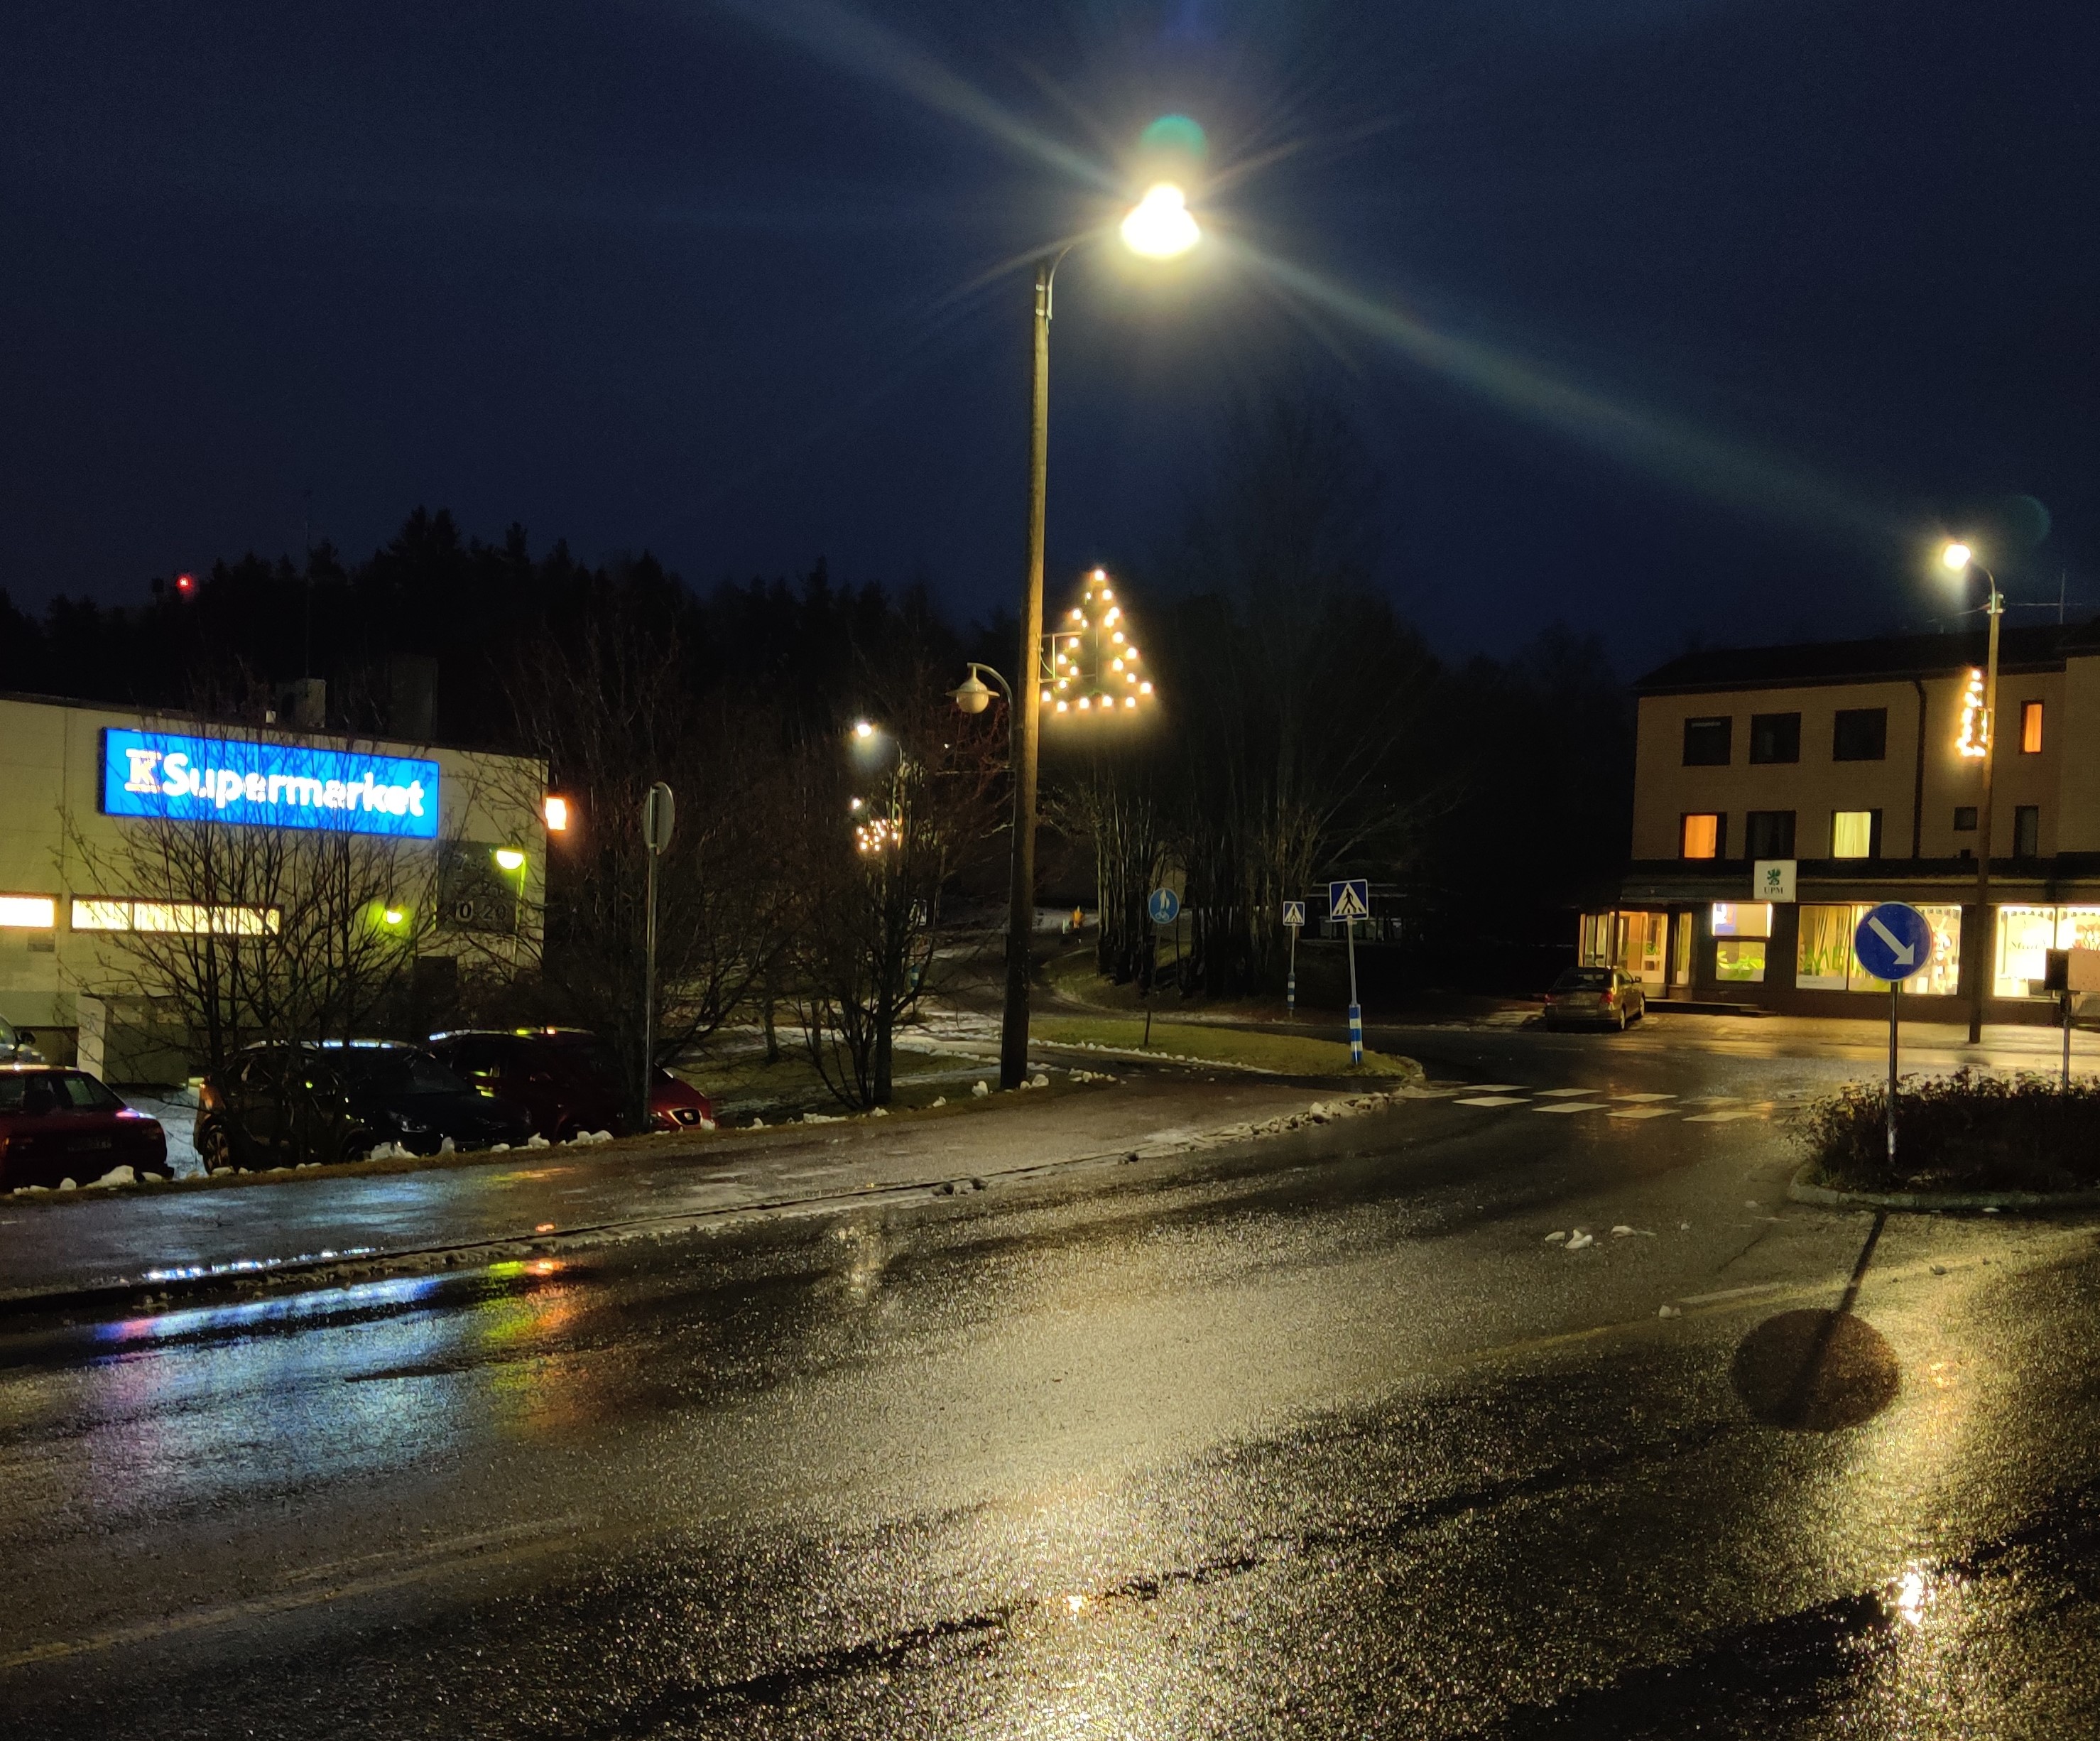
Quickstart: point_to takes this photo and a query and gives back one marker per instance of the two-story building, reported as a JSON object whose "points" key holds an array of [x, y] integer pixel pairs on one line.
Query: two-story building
{"points": [[1854, 770]]}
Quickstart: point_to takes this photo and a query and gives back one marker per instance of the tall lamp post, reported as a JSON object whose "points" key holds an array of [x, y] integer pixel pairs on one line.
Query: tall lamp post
{"points": [[1159, 228], [1959, 559]]}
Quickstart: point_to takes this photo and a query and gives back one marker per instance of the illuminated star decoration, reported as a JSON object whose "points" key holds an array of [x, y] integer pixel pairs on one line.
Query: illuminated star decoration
{"points": [[1975, 734]]}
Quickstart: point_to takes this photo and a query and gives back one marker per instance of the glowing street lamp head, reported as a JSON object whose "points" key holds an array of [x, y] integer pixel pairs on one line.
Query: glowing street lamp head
{"points": [[1954, 556], [863, 730], [1160, 227], [510, 858]]}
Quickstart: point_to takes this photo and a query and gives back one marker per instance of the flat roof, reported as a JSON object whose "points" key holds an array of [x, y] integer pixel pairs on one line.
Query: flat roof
{"points": [[134, 710], [1886, 658]]}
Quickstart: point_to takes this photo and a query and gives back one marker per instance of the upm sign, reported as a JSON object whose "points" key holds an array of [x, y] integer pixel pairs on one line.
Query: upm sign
{"points": [[277, 785]]}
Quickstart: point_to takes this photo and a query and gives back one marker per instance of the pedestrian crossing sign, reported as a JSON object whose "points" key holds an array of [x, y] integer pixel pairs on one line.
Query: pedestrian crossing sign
{"points": [[1293, 914], [1349, 899]]}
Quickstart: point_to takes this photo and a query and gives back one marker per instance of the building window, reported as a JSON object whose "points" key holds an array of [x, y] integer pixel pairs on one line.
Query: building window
{"points": [[1703, 834], [185, 918], [1824, 959], [2025, 936], [1965, 818], [1741, 931], [2026, 831], [1855, 834], [1861, 735], [1708, 743], [1775, 737], [28, 912], [2030, 728], [1768, 834]]}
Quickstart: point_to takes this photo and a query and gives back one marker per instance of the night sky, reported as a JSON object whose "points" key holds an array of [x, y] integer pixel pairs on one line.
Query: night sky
{"points": [[1672, 318]]}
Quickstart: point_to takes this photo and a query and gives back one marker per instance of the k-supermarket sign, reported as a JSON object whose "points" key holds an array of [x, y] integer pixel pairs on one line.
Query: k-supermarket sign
{"points": [[276, 785]]}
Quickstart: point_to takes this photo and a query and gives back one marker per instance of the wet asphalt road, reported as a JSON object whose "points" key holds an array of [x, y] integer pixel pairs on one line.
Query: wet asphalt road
{"points": [[1320, 1437]]}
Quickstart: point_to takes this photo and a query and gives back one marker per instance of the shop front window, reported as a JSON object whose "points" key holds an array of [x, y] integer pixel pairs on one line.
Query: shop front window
{"points": [[2026, 934], [1741, 932], [1824, 959]]}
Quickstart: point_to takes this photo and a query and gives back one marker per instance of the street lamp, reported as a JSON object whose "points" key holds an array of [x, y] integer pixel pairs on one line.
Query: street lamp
{"points": [[1958, 558], [1157, 227], [971, 696]]}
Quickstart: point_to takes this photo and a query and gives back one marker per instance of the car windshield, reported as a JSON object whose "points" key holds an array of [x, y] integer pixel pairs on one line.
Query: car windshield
{"points": [[1584, 979], [586, 1060], [397, 1072]]}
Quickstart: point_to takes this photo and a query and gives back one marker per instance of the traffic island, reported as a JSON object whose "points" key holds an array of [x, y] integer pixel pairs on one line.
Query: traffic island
{"points": [[1969, 1141]]}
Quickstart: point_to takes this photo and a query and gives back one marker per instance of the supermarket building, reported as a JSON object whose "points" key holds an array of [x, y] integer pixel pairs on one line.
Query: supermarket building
{"points": [[76, 776], [1843, 774]]}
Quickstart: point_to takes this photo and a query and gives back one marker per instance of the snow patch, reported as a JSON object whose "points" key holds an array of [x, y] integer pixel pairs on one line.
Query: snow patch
{"points": [[115, 1176]]}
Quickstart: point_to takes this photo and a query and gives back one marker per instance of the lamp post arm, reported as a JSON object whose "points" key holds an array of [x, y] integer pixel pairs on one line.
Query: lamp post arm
{"points": [[986, 673]]}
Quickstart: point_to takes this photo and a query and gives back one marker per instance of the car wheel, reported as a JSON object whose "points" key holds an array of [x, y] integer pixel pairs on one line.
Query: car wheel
{"points": [[1623, 1021], [355, 1146], [214, 1147]]}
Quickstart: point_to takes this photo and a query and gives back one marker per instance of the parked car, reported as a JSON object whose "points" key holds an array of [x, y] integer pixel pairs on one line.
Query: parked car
{"points": [[18, 1045], [567, 1078], [57, 1124], [1593, 996], [333, 1100]]}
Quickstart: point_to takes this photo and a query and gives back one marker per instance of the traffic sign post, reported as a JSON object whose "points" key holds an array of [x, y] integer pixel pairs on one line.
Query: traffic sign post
{"points": [[1163, 907], [658, 812], [1294, 921], [1350, 900], [1893, 941]]}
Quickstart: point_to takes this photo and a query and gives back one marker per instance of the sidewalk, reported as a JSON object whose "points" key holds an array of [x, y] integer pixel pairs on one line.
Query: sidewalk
{"points": [[54, 1249]]}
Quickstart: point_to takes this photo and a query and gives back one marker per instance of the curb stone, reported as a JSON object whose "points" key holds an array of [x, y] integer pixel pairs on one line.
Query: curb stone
{"points": [[1824, 1196]]}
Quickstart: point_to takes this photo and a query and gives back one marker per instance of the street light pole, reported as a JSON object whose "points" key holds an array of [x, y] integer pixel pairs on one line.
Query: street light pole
{"points": [[1960, 558], [1986, 964], [1021, 903]]}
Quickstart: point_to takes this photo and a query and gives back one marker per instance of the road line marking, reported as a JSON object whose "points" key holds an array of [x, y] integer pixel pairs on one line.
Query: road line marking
{"points": [[1497, 1088], [1573, 1105], [1644, 1111], [1491, 1100], [1643, 1096], [1564, 1094]]}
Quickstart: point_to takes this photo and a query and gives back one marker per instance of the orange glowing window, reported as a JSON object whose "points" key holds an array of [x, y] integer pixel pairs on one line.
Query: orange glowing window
{"points": [[2030, 728], [1702, 836]]}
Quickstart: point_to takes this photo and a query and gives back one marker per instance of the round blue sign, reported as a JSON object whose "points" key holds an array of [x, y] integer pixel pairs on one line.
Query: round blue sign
{"points": [[1164, 905], [1893, 941]]}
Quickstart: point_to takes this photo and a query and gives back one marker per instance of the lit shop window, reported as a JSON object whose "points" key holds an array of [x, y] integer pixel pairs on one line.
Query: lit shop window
{"points": [[1824, 960], [1740, 930], [2030, 728], [2026, 934], [186, 918], [1855, 834], [1701, 836], [28, 912]]}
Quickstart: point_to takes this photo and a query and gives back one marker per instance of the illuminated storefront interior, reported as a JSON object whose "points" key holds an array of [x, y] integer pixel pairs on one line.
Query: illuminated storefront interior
{"points": [[1637, 942], [2026, 934], [1824, 959], [1741, 931]]}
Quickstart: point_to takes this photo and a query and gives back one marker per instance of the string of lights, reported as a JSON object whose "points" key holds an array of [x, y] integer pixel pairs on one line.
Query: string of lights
{"points": [[1090, 664]]}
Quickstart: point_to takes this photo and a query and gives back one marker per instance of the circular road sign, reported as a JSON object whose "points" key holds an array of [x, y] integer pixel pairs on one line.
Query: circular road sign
{"points": [[1893, 941], [1164, 906]]}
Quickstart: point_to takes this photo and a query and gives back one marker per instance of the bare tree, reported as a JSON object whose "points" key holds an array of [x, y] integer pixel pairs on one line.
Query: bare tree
{"points": [[882, 843], [609, 703]]}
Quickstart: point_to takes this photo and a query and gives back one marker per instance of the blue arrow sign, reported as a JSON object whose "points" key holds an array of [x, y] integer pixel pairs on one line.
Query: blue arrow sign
{"points": [[1349, 900], [1893, 941], [1164, 906]]}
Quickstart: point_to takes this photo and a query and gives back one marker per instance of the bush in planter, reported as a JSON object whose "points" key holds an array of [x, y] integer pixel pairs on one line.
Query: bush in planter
{"points": [[1963, 1132]]}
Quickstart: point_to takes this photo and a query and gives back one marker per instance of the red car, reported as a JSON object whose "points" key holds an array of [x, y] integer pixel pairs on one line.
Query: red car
{"points": [[57, 1124], [566, 1078]]}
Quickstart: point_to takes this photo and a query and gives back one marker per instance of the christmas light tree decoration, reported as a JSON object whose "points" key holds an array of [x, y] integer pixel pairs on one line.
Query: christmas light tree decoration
{"points": [[1086, 662]]}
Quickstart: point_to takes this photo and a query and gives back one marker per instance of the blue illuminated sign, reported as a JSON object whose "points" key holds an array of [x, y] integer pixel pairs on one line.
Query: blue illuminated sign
{"points": [[278, 785]]}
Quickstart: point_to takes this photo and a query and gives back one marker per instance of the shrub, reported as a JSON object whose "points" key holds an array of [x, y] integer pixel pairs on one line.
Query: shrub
{"points": [[1963, 1133]]}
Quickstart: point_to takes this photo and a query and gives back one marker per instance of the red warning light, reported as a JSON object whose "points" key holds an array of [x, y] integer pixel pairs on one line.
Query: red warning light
{"points": [[186, 583]]}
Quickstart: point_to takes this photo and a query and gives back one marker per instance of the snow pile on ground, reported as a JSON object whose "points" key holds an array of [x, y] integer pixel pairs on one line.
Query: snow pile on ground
{"points": [[823, 1118], [585, 1138], [982, 1089], [390, 1152], [115, 1176]]}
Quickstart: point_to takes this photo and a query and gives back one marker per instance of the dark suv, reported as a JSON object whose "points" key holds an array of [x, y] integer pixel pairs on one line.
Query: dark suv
{"points": [[567, 1079], [337, 1100]]}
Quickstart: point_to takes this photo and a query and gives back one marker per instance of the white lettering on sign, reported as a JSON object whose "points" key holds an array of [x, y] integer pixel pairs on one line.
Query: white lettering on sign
{"points": [[225, 786]]}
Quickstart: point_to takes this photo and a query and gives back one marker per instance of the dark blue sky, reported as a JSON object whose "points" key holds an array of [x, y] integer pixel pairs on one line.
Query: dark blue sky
{"points": [[1670, 318]]}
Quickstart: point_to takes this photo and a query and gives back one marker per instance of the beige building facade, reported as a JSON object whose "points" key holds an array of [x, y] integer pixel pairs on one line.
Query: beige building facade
{"points": [[80, 783], [1844, 774]]}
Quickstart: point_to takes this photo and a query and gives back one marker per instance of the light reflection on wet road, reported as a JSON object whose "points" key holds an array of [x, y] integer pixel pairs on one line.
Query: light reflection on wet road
{"points": [[1327, 1439]]}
